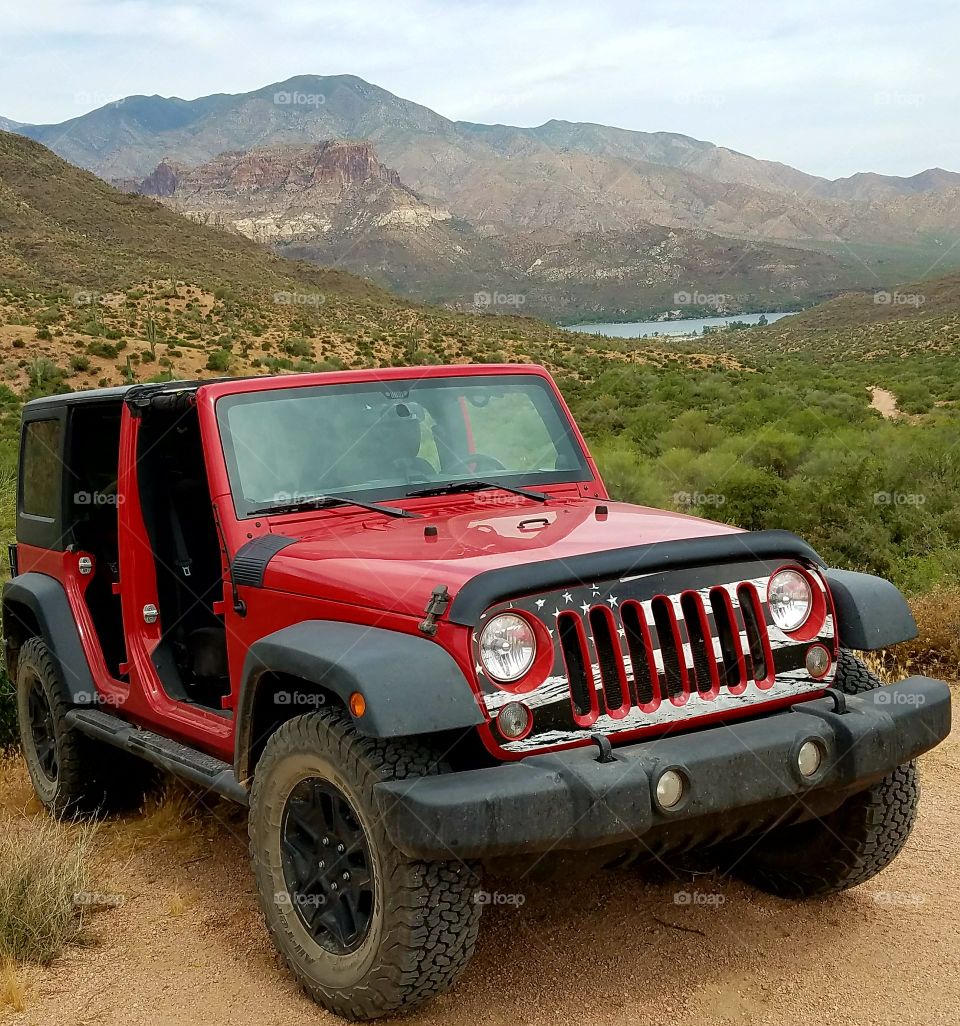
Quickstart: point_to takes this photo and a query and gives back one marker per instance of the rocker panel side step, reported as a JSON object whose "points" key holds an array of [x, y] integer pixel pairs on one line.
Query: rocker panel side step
{"points": [[181, 760]]}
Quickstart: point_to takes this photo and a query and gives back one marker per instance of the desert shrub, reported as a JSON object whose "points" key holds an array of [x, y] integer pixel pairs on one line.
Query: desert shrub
{"points": [[297, 347], [43, 878], [79, 363], [103, 349], [220, 360], [936, 649]]}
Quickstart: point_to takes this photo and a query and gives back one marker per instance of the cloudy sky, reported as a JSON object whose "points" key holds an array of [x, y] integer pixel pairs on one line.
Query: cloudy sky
{"points": [[830, 87]]}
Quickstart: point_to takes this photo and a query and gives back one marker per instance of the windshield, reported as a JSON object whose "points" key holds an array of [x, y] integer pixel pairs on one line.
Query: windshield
{"points": [[381, 440]]}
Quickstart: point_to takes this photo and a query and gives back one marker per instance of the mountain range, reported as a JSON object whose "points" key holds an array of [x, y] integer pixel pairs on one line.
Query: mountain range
{"points": [[579, 219]]}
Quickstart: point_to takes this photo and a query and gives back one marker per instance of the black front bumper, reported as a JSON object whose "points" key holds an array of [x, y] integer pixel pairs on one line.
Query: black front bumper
{"points": [[742, 771]]}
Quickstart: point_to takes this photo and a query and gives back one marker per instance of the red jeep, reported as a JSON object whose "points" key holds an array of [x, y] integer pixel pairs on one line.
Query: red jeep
{"points": [[395, 613]]}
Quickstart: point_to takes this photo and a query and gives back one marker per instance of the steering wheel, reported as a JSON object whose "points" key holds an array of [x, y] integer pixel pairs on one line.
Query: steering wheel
{"points": [[481, 463]]}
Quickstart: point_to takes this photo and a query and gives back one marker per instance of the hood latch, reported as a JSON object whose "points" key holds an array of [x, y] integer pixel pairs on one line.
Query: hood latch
{"points": [[436, 607]]}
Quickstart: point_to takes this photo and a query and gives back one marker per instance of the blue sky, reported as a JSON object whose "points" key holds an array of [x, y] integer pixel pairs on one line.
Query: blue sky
{"points": [[831, 88]]}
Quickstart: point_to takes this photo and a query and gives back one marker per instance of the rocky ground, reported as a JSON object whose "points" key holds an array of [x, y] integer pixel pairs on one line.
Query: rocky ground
{"points": [[187, 945]]}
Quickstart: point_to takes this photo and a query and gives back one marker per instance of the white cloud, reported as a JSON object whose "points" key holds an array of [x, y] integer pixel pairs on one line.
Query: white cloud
{"points": [[833, 90]]}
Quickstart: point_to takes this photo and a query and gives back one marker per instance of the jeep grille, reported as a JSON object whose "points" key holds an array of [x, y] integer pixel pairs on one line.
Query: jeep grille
{"points": [[658, 651]]}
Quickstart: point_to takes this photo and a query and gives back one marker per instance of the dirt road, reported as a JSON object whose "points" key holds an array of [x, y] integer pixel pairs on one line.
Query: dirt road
{"points": [[187, 945]]}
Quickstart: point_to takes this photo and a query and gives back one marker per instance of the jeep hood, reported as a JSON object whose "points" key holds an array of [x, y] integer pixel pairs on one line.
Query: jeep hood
{"points": [[394, 564]]}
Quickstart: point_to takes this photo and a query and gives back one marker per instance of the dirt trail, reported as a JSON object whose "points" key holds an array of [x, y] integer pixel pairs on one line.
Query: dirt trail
{"points": [[187, 946], [885, 403]]}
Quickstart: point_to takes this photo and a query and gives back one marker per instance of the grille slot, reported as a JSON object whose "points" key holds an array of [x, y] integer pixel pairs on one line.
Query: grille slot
{"points": [[675, 678], [701, 647], [609, 658], [640, 650], [728, 636], [573, 647], [749, 602]]}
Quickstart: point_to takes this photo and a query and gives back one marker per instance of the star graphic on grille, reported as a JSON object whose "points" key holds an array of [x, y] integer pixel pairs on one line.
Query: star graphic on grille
{"points": [[613, 600], [594, 589], [586, 608], [567, 597], [556, 612], [478, 668], [540, 603], [621, 632]]}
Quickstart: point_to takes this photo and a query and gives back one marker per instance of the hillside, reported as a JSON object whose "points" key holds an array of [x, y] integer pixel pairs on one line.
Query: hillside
{"points": [[100, 286], [335, 203], [579, 179]]}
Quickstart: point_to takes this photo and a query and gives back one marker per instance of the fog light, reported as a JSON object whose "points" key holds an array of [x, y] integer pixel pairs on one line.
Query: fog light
{"points": [[809, 758], [670, 789], [514, 720], [818, 661]]}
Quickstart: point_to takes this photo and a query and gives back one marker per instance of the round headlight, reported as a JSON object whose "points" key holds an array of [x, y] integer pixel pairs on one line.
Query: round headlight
{"points": [[507, 647], [791, 599]]}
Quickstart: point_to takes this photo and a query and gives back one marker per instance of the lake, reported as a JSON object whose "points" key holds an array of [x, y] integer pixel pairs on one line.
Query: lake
{"points": [[690, 326]]}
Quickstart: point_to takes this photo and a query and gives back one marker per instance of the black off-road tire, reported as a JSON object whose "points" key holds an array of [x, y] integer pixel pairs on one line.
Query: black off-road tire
{"points": [[851, 845], [79, 777], [425, 915]]}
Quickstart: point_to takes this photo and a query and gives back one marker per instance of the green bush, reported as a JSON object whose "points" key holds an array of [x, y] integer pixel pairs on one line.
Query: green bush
{"points": [[220, 360]]}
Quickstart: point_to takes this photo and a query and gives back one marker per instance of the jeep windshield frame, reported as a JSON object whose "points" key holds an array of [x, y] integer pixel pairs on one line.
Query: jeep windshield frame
{"points": [[377, 439]]}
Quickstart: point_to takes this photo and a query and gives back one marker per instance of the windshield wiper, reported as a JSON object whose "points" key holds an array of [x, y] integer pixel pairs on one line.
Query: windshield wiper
{"points": [[474, 486], [322, 501]]}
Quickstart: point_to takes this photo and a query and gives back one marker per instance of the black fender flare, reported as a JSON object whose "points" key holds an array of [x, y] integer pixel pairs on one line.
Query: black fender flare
{"points": [[871, 612], [47, 601], [411, 685]]}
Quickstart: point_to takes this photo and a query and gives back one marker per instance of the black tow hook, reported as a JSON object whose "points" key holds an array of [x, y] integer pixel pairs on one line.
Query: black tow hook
{"points": [[606, 749], [839, 700]]}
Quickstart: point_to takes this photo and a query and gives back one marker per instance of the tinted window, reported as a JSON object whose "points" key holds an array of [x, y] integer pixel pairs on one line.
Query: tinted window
{"points": [[41, 468]]}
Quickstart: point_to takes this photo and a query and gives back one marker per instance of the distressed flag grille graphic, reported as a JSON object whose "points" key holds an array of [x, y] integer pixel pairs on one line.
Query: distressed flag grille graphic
{"points": [[655, 652]]}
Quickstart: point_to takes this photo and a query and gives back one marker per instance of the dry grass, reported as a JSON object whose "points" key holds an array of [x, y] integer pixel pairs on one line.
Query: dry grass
{"points": [[44, 878], [935, 652], [15, 988]]}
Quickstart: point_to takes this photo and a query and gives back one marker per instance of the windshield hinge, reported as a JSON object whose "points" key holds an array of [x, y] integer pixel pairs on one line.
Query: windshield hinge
{"points": [[436, 607]]}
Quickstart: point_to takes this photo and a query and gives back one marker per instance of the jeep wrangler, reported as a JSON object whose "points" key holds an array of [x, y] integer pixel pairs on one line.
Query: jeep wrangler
{"points": [[395, 614]]}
